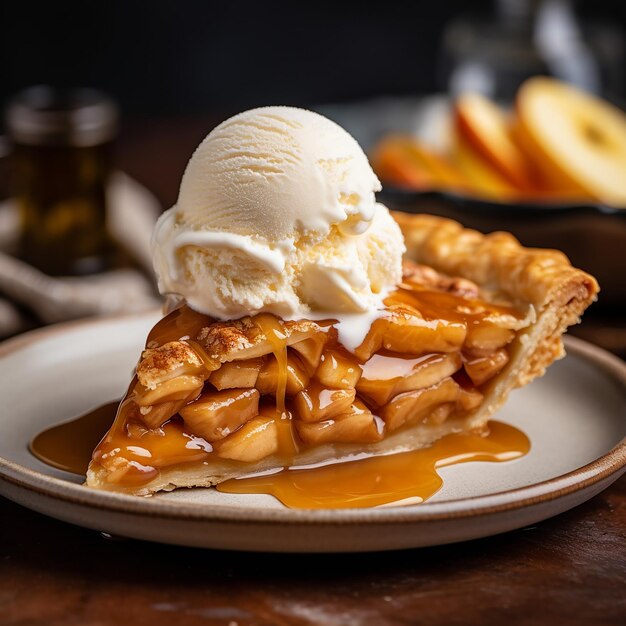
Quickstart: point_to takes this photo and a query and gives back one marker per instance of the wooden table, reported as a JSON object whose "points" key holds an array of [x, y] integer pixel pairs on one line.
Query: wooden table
{"points": [[567, 570]]}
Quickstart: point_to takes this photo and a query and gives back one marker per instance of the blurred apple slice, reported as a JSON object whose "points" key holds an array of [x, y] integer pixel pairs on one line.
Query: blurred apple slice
{"points": [[407, 162], [486, 128], [486, 181], [578, 140]]}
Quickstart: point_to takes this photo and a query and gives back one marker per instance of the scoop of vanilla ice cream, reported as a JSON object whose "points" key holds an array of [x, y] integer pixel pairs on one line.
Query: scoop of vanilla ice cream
{"points": [[349, 274], [277, 213], [276, 172]]}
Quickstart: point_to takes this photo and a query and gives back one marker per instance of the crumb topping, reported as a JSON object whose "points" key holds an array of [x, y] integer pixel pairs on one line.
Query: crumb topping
{"points": [[160, 364]]}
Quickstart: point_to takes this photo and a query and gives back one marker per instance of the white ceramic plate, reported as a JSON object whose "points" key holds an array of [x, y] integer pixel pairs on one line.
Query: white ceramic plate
{"points": [[575, 417]]}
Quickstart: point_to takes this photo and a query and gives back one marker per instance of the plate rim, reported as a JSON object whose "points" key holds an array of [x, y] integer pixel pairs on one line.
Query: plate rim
{"points": [[611, 463]]}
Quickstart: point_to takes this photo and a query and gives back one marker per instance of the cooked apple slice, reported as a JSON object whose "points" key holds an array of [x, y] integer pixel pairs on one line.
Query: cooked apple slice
{"points": [[386, 375], [357, 425], [254, 441], [337, 370], [216, 414], [155, 406], [484, 339], [169, 361], [403, 331], [180, 388], [297, 376], [317, 402], [483, 368], [440, 414], [413, 406], [487, 129], [156, 415], [237, 374], [310, 350], [468, 399], [577, 140]]}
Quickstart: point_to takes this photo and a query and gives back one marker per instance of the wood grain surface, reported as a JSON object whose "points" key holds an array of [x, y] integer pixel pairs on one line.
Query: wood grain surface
{"points": [[567, 570]]}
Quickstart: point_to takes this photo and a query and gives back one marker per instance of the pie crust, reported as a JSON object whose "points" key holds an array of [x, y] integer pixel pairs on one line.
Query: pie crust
{"points": [[541, 278]]}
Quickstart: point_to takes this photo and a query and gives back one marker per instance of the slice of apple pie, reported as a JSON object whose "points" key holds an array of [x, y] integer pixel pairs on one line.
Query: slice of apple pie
{"points": [[474, 317]]}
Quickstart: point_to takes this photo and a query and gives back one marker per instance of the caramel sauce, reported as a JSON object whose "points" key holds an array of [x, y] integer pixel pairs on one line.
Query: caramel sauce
{"points": [[181, 323], [389, 366], [272, 329], [68, 445], [397, 479], [434, 304]]}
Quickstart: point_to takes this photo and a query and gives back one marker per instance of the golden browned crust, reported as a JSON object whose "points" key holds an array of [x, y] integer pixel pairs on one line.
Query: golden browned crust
{"points": [[543, 279], [224, 338], [496, 261], [222, 342], [428, 277], [244, 339]]}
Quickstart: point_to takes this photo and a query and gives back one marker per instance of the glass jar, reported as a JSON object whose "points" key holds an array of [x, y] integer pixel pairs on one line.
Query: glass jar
{"points": [[61, 143]]}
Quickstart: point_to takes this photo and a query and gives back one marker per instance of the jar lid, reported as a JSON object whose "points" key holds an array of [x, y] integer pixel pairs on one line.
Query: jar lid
{"points": [[45, 115]]}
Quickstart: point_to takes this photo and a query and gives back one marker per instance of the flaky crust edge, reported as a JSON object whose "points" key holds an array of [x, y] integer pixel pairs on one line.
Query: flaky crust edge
{"points": [[541, 278]]}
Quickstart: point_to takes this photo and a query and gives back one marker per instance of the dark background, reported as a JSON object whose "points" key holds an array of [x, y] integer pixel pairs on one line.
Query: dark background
{"points": [[192, 57], [177, 67]]}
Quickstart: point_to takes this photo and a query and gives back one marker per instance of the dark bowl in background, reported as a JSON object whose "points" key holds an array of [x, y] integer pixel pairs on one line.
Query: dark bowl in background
{"points": [[592, 236]]}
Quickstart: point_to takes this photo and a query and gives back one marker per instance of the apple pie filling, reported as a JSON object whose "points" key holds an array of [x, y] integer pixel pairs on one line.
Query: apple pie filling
{"points": [[262, 388]]}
